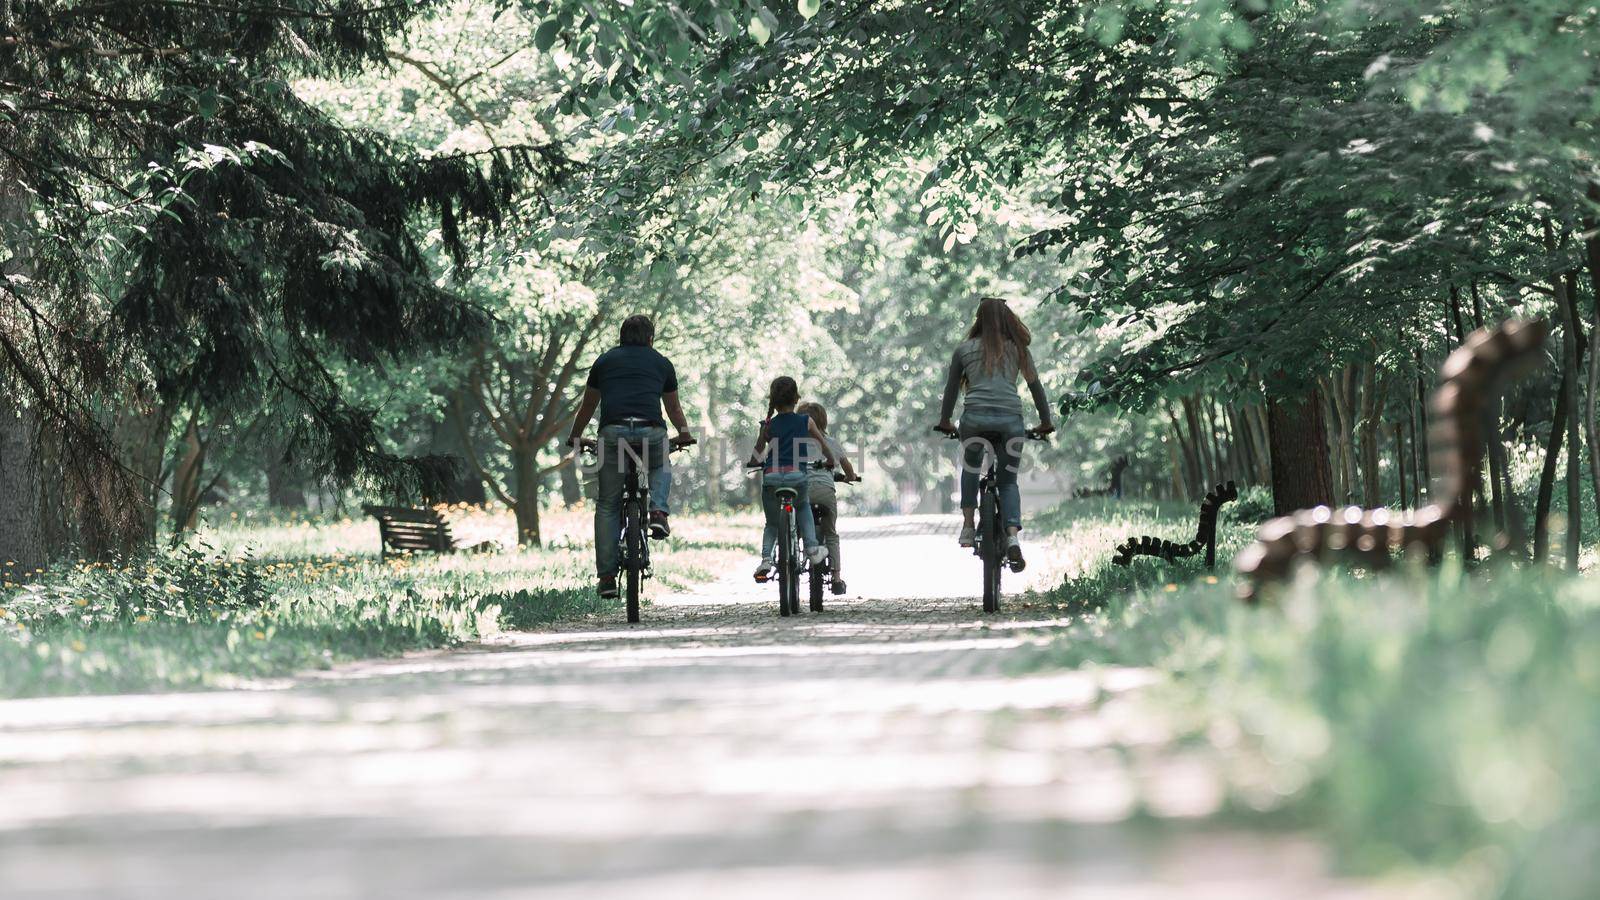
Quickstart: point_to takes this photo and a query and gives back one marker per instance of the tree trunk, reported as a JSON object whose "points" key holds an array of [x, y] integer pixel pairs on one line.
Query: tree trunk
{"points": [[1298, 441], [22, 538], [22, 514], [1571, 350], [1415, 499], [283, 489], [1343, 459], [142, 431], [571, 487], [525, 484], [1491, 430], [1256, 415], [186, 482], [1591, 246], [1547, 475], [1202, 453], [1192, 472], [1180, 490], [1420, 433], [1371, 402], [1400, 463], [1224, 463]]}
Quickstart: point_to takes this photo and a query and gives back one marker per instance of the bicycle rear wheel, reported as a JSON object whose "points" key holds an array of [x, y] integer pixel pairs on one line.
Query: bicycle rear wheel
{"points": [[786, 566], [633, 562], [992, 532]]}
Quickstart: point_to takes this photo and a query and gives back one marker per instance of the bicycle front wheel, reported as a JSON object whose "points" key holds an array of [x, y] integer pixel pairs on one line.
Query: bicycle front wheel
{"points": [[633, 562]]}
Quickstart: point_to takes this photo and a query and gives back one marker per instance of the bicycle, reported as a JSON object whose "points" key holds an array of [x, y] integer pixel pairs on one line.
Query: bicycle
{"points": [[634, 559], [822, 573], [989, 542], [791, 558]]}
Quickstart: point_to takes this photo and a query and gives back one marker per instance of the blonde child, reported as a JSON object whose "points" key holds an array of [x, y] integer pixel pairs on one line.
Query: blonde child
{"points": [[824, 499]]}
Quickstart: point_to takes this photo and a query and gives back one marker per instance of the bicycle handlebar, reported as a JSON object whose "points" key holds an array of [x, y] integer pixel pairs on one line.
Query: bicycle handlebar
{"points": [[955, 436], [591, 446]]}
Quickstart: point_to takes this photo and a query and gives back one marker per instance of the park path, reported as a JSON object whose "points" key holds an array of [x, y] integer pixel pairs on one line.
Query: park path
{"points": [[880, 749]]}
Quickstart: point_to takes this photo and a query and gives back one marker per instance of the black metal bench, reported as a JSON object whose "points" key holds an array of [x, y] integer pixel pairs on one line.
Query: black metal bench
{"points": [[1205, 536], [407, 530]]}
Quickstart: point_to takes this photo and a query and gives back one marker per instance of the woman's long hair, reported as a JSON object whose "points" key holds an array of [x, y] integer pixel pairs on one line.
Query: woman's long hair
{"points": [[997, 328]]}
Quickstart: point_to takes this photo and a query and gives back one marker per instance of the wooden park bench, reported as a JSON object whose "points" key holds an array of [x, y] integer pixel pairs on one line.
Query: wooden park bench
{"points": [[1205, 538], [407, 530]]}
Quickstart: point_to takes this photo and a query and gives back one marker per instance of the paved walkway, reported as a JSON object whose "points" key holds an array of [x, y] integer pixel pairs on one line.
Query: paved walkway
{"points": [[876, 750]]}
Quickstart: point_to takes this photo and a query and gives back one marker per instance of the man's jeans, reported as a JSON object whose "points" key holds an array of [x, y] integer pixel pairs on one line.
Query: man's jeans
{"points": [[620, 448], [801, 484], [1002, 435]]}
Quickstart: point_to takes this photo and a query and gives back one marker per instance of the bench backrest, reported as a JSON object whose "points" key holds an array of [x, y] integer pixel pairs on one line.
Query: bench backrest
{"points": [[403, 528]]}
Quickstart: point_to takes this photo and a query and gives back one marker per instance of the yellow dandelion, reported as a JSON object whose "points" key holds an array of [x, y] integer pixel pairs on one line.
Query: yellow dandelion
{"points": [[81, 602], [1170, 588], [141, 618], [79, 646], [261, 635], [1211, 579]]}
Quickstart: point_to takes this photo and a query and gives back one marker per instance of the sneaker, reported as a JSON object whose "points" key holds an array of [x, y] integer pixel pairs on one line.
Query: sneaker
{"points": [[817, 554], [659, 529], [764, 571], [608, 587], [838, 585], [1014, 554], [969, 536]]}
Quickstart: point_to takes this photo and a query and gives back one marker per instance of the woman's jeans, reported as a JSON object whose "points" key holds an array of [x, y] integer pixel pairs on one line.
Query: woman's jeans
{"points": [[1003, 435], [800, 482], [622, 446]]}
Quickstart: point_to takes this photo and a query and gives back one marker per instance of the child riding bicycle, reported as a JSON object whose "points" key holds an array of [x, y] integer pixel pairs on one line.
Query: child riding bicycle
{"points": [[824, 499], [783, 451]]}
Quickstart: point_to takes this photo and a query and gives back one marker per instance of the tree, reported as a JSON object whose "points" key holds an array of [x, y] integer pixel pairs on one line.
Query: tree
{"points": [[195, 232]]}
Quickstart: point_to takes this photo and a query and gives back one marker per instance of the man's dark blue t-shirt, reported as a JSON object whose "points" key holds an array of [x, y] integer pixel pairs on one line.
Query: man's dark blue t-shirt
{"points": [[631, 379]]}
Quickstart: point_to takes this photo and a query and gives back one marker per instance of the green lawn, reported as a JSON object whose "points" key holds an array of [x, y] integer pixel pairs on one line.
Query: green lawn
{"points": [[256, 599], [1425, 717]]}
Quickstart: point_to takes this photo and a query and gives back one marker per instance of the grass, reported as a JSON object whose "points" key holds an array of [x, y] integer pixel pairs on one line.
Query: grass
{"points": [[260, 597], [1427, 717], [1432, 718]]}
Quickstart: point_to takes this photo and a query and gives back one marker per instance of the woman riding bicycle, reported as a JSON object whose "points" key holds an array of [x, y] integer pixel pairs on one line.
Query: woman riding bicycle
{"points": [[986, 366]]}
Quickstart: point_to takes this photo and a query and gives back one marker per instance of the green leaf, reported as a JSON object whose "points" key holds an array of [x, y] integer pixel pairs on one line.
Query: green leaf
{"points": [[759, 30], [809, 8], [750, 143], [545, 37]]}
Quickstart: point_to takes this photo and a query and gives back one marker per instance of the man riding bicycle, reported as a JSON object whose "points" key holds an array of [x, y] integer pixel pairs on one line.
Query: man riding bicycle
{"points": [[630, 384]]}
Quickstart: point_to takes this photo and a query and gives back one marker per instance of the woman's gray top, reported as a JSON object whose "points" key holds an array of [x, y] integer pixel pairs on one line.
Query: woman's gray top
{"points": [[989, 393]]}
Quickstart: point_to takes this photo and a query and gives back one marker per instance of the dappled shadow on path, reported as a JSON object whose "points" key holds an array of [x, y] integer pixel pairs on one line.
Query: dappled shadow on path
{"points": [[881, 748]]}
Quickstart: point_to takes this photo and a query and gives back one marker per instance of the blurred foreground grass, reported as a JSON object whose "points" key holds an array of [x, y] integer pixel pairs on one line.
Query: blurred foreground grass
{"points": [[1430, 718], [263, 598]]}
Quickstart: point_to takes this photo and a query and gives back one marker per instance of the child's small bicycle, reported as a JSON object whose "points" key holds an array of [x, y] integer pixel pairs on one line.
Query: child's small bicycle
{"points": [[822, 573], [791, 561]]}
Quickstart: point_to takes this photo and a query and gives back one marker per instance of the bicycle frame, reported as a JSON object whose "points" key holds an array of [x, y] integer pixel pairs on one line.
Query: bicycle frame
{"points": [[633, 543], [990, 538]]}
